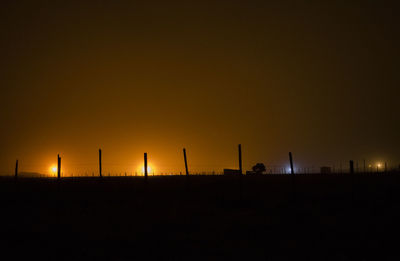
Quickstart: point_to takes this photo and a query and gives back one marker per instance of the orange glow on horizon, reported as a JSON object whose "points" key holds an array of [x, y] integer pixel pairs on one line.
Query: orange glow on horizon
{"points": [[150, 170], [53, 170]]}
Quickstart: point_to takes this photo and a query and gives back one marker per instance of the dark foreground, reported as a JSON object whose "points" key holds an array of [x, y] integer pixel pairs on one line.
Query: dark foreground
{"points": [[331, 217]]}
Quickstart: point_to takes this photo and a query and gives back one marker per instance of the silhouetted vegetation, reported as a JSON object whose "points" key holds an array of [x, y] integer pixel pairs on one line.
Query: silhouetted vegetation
{"points": [[259, 168]]}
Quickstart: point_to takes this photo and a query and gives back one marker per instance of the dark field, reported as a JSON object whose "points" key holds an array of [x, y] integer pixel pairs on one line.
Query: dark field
{"points": [[323, 217]]}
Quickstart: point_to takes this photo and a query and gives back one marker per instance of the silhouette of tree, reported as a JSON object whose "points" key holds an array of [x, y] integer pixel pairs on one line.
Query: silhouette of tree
{"points": [[259, 168]]}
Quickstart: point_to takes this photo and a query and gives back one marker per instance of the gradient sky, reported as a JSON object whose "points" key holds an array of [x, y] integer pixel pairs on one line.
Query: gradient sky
{"points": [[318, 78]]}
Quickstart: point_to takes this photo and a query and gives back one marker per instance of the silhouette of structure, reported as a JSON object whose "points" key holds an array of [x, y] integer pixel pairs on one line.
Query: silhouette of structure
{"points": [[364, 167], [291, 163], [100, 170], [58, 167], [240, 159], [186, 165], [16, 169], [351, 167], [145, 166]]}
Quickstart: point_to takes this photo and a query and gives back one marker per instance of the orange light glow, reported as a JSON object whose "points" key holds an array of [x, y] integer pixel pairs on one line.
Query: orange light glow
{"points": [[53, 170], [150, 169]]}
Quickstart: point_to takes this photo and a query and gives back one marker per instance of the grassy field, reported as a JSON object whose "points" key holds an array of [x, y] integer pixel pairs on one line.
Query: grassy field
{"points": [[270, 217]]}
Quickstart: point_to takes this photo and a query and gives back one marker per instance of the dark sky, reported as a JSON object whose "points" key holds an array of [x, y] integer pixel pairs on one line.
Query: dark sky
{"points": [[318, 78]]}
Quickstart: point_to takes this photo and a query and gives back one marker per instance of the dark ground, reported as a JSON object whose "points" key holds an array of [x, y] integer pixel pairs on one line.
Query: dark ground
{"points": [[330, 217]]}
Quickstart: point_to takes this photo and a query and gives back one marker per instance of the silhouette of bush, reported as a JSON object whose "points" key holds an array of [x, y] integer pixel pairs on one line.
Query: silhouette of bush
{"points": [[259, 168]]}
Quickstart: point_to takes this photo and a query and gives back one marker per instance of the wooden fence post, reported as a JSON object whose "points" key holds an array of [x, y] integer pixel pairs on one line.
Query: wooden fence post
{"points": [[240, 159], [145, 167], [365, 170], [291, 163], [100, 170], [58, 166], [186, 165], [293, 194], [351, 167], [16, 169]]}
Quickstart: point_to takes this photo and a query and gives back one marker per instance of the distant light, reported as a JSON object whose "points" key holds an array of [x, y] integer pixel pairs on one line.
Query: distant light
{"points": [[53, 169], [150, 169]]}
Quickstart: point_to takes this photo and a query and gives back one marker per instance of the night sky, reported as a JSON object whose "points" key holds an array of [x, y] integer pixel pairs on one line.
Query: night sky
{"points": [[318, 78]]}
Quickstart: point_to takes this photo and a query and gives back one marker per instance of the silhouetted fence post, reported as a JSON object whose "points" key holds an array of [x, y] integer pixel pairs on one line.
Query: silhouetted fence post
{"points": [[385, 167], [186, 165], [58, 167], [240, 172], [292, 174], [100, 170], [351, 167], [291, 163], [240, 159], [365, 170], [145, 167], [16, 169]]}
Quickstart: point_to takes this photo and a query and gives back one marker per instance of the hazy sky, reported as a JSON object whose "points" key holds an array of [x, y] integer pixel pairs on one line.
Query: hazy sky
{"points": [[318, 78]]}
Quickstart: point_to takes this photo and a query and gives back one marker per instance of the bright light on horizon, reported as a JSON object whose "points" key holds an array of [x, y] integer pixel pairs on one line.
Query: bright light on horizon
{"points": [[150, 169], [53, 169]]}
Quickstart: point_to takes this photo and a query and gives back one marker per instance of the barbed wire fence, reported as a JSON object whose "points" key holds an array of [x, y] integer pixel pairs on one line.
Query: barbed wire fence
{"points": [[118, 169]]}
